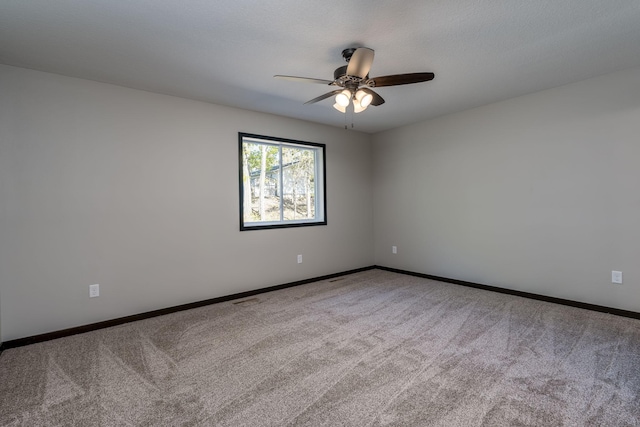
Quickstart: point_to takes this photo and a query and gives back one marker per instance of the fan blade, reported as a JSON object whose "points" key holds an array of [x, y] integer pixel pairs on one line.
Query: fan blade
{"points": [[400, 79], [360, 62], [325, 96], [304, 79], [377, 99]]}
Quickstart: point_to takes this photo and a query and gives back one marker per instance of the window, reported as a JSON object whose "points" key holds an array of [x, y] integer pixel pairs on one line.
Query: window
{"points": [[282, 182]]}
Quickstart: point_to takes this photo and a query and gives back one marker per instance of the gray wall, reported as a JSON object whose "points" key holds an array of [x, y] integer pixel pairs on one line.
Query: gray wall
{"points": [[139, 192], [539, 193]]}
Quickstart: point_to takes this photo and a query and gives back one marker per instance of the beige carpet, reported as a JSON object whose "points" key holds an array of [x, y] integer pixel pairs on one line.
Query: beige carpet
{"points": [[370, 349]]}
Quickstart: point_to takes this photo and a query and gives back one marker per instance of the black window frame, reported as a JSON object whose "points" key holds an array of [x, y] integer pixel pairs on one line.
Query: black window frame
{"points": [[322, 182]]}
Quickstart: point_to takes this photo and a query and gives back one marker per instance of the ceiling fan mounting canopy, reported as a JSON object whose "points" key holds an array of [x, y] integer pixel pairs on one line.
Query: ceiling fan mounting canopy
{"points": [[348, 52], [354, 81]]}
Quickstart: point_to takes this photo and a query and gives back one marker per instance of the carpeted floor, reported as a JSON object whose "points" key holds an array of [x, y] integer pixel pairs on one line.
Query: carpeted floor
{"points": [[369, 349]]}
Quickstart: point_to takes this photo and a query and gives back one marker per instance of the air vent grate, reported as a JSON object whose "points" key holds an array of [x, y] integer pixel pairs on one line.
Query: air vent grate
{"points": [[247, 302]]}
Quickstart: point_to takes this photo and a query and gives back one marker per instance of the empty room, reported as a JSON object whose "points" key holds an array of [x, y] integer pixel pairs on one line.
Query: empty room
{"points": [[296, 213]]}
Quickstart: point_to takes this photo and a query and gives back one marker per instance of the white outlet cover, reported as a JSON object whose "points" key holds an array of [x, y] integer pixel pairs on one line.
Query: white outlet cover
{"points": [[616, 277], [299, 259], [394, 249], [94, 291]]}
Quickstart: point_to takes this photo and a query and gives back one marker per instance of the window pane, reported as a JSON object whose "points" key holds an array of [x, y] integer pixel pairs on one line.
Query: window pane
{"points": [[298, 167], [261, 170]]}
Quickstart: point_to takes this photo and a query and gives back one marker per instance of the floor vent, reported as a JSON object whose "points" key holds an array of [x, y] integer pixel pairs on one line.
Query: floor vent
{"points": [[246, 302]]}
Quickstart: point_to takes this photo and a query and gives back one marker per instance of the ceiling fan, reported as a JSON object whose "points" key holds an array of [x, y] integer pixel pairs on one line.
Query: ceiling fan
{"points": [[354, 81]]}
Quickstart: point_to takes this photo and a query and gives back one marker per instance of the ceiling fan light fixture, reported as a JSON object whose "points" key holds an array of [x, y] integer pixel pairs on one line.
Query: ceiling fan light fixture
{"points": [[343, 98], [363, 98], [357, 106], [341, 108], [351, 82]]}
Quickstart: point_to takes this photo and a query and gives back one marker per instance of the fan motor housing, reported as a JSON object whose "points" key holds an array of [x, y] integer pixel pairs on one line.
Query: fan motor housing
{"points": [[340, 72], [342, 79]]}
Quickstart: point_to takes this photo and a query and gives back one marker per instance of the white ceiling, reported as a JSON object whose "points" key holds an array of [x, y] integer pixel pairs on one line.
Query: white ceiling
{"points": [[227, 51]]}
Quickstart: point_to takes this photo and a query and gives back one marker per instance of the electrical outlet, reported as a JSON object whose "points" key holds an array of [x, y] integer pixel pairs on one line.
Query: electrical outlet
{"points": [[394, 249], [299, 259], [616, 277], [94, 291]]}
